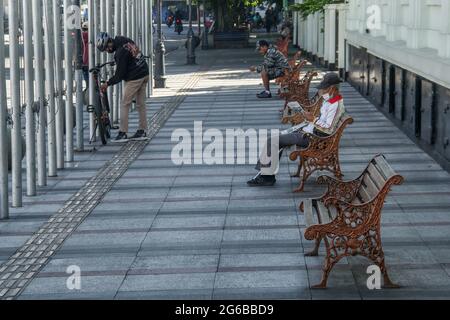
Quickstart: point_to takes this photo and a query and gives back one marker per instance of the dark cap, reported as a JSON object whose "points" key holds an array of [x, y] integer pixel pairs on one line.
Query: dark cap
{"points": [[261, 43], [330, 79]]}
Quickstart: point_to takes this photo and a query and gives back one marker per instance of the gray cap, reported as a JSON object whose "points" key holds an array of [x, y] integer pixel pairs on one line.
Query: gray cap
{"points": [[330, 79]]}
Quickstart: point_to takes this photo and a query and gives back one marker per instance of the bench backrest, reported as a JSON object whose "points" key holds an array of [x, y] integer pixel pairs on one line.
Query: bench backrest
{"points": [[377, 177], [340, 127], [300, 85]]}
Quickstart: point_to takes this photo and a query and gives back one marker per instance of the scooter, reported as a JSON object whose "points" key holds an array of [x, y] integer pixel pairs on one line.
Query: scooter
{"points": [[169, 21], [179, 26]]}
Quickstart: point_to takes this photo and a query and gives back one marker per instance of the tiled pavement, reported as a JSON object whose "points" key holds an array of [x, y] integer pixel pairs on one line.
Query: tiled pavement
{"points": [[197, 232]]}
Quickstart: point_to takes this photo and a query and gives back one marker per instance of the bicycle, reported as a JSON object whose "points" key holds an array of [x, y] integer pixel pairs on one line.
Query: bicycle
{"points": [[101, 109]]}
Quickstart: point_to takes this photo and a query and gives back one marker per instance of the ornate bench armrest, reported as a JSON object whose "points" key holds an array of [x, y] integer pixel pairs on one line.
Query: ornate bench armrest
{"points": [[342, 190], [349, 218], [309, 151], [318, 146]]}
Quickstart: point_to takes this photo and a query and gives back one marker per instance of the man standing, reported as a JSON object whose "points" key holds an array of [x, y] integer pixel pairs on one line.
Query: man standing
{"points": [[331, 112], [274, 66], [85, 38], [132, 68], [269, 19]]}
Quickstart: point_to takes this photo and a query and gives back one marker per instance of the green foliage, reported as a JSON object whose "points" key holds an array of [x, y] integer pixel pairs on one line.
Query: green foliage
{"points": [[312, 6], [231, 13]]}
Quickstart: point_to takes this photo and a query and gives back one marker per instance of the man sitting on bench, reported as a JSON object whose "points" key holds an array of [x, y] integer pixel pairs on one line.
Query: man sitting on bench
{"points": [[274, 66], [331, 112]]}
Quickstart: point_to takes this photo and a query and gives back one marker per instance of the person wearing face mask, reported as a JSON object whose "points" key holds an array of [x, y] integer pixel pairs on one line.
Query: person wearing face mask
{"points": [[331, 112]]}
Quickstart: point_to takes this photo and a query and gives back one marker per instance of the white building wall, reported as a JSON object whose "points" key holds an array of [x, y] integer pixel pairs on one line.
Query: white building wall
{"points": [[413, 34], [321, 35]]}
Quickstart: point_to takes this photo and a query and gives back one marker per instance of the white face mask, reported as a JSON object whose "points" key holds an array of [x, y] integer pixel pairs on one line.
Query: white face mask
{"points": [[326, 96]]}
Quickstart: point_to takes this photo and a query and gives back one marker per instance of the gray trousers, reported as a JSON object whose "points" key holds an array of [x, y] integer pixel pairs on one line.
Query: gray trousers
{"points": [[268, 164]]}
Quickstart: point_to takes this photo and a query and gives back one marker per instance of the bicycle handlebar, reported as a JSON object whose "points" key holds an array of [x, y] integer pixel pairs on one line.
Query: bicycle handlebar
{"points": [[110, 63], [101, 66]]}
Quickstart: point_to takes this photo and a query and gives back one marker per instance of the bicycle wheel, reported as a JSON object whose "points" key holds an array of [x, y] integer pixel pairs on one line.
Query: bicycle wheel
{"points": [[99, 115], [103, 134]]}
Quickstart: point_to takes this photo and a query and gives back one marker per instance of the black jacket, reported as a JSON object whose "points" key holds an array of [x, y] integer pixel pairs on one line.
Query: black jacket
{"points": [[128, 68]]}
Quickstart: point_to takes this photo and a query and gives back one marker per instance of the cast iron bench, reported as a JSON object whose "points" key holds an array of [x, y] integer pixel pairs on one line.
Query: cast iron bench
{"points": [[298, 90], [348, 217], [295, 117], [321, 154], [294, 74]]}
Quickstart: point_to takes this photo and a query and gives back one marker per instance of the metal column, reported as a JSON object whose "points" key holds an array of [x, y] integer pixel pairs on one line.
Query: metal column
{"points": [[133, 21], [117, 31], [136, 17], [205, 29], [109, 29], [160, 52], [40, 92], [79, 86], [59, 105], [149, 36], [4, 202], [123, 17], [16, 134], [68, 75], [102, 20], [124, 32], [29, 92], [49, 84], [92, 35], [190, 39], [129, 18]]}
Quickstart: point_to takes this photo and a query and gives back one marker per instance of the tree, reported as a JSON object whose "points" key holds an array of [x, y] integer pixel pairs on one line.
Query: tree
{"points": [[230, 14], [312, 6]]}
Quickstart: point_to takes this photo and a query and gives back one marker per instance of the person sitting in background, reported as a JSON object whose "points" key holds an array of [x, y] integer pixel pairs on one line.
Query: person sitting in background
{"points": [[257, 20], [274, 66], [331, 112]]}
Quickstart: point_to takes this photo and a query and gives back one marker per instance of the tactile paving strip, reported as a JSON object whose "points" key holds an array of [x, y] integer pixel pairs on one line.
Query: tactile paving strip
{"points": [[18, 271]]}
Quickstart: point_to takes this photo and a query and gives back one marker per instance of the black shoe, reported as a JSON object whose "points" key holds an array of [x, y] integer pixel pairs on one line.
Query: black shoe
{"points": [[264, 95], [121, 137], [139, 135], [262, 181]]}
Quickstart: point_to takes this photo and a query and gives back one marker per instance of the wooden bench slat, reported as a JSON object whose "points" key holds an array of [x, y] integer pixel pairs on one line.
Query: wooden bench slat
{"points": [[384, 168], [323, 213], [370, 186], [333, 212], [376, 176], [362, 193], [308, 207]]}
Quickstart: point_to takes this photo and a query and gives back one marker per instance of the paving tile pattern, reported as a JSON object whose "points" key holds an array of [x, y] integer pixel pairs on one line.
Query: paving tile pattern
{"points": [[198, 232], [25, 264]]}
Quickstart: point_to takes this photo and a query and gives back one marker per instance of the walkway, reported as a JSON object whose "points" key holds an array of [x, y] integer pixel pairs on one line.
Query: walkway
{"points": [[160, 231]]}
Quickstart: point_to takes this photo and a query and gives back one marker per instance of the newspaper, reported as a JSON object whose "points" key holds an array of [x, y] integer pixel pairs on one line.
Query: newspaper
{"points": [[296, 108]]}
